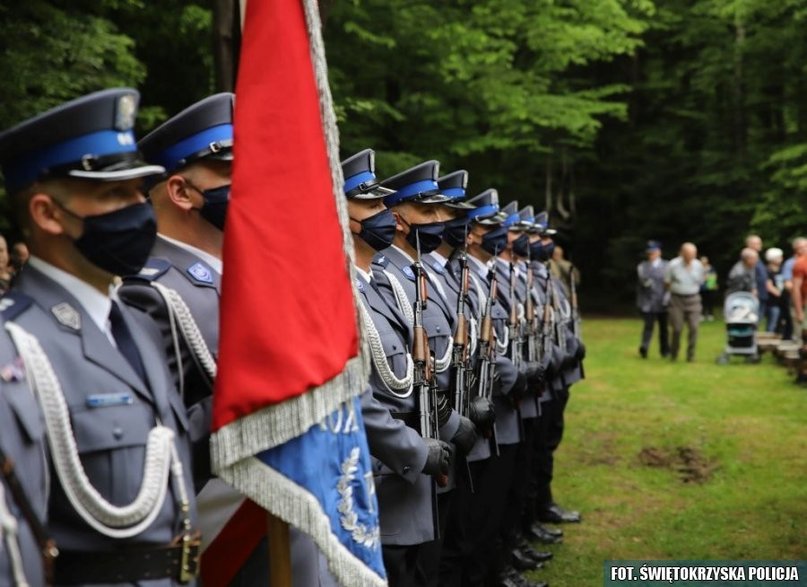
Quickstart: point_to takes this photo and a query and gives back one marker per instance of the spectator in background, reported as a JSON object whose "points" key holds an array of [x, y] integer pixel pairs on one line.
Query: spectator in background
{"points": [[564, 270], [708, 289], [6, 273], [790, 330], [754, 242], [742, 276], [19, 256], [652, 299], [683, 278], [774, 286], [799, 292]]}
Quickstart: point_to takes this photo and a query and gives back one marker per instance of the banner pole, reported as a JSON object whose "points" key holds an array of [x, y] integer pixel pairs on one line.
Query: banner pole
{"points": [[279, 552]]}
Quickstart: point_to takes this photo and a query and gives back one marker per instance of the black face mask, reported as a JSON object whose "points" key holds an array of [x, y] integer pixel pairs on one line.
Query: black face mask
{"points": [[429, 234], [494, 241], [542, 252], [378, 230], [118, 242], [521, 246], [455, 232], [214, 210]]}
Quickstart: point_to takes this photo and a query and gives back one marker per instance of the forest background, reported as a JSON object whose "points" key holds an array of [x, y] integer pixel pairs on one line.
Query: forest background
{"points": [[626, 119]]}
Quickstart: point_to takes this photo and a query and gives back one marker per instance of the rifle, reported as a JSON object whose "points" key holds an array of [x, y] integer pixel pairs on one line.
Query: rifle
{"points": [[460, 359], [513, 326], [547, 323], [424, 377], [487, 351], [560, 337], [530, 316], [575, 309]]}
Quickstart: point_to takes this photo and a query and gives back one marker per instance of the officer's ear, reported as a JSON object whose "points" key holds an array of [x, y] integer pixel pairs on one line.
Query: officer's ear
{"points": [[45, 213], [180, 192], [400, 222]]}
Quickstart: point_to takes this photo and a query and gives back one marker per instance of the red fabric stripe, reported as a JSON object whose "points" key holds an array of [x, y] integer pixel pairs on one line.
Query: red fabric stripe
{"points": [[287, 317], [233, 545]]}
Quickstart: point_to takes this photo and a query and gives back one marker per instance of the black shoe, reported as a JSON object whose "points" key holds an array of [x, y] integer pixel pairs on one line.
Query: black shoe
{"points": [[531, 553], [555, 514], [522, 562], [643, 352], [544, 535], [521, 581]]}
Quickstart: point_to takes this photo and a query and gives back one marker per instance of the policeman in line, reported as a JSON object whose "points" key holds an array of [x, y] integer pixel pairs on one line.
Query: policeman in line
{"points": [[565, 370], [403, 461], [448, 265], [180, 286], [512, 291], [97, 366], [418, 230]]}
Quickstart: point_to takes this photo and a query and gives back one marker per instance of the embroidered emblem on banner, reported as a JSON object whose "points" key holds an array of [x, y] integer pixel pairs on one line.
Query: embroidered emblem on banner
{"points": [[67, 315], [360, 533]]}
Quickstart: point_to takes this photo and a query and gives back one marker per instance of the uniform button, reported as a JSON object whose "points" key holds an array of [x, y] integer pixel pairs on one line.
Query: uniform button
{"points": [[406, 469], [438, 329], [117, 432]]}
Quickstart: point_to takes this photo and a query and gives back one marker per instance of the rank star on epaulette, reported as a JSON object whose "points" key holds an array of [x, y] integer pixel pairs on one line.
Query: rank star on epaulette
{"points": [[201, 273], [67, 315], [14, 371]]}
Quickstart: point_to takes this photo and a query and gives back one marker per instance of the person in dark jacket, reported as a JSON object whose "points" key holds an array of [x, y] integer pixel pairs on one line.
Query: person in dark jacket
{"points": [[652, 299]]}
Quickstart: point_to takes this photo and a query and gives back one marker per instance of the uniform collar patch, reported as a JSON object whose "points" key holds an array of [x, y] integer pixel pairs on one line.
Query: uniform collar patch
{"points": [[359, 284], [200, 272], [67, 315], [438, 267], [407, 270]]}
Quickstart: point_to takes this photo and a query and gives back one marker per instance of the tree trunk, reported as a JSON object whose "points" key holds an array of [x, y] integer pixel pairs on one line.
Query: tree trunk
{"points": [[226, 43]]}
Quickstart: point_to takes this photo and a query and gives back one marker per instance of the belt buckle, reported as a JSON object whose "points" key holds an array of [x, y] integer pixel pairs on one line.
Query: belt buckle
{"points": [[189, 563]]}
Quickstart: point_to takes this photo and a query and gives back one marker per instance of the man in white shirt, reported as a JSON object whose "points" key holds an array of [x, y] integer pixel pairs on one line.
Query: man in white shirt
{"points": [[683, 279]]}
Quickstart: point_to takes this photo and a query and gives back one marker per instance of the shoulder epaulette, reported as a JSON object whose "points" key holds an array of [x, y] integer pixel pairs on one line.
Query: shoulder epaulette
{"points": [[154, 268], [13, 304]]}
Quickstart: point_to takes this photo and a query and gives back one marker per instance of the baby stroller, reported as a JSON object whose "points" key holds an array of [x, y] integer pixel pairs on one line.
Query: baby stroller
{"points": [[741, 312]]}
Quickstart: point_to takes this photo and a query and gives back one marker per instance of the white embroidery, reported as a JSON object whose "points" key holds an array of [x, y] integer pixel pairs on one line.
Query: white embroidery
{"points": [[367, 537]]}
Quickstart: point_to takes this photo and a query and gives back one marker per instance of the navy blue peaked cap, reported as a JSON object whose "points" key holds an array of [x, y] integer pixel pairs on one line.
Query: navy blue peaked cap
{"points": [[486, 208], [453, 186], [203, 130], [526, 219], [88, 138], [511, 219], [417, 184], [360, 180], [542, 222], [653, 246]]}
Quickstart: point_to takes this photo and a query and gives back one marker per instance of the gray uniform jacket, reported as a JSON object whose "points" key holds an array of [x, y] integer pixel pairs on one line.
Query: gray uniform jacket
{"points": [[200, 288], [568, 368], [507, 418], [399, 453], [528, 407], [438, 319], [650, 292], [22, 441], [111, 438]]}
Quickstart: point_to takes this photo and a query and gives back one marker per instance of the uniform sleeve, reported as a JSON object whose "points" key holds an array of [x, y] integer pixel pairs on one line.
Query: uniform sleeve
{"points": [[391, 441]]}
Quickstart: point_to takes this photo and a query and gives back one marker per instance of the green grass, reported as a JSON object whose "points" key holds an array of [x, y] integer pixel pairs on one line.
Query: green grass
{"points": [[748, 422]]}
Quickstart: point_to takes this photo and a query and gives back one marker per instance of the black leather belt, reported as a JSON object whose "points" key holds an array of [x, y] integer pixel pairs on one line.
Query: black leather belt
{"points": [[178, 561], [411, 419]]}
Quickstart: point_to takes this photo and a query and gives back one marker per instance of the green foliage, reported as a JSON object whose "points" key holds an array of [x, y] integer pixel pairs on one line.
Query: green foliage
{"points": [[54, 51]]}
